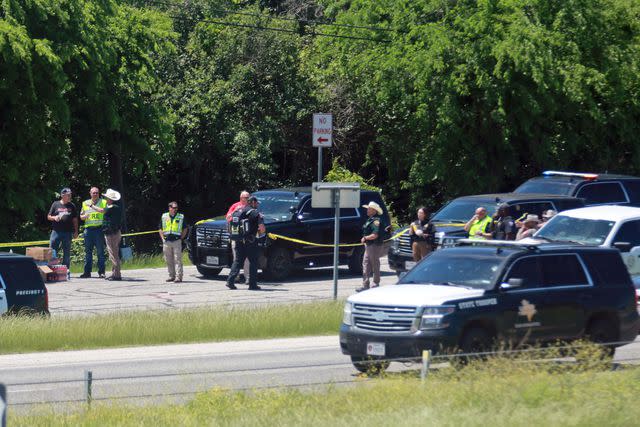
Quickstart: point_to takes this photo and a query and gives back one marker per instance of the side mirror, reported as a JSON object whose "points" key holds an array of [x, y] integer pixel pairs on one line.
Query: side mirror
{"points": [[512, 283], [304, 216], [293, 209], [622, 246]]}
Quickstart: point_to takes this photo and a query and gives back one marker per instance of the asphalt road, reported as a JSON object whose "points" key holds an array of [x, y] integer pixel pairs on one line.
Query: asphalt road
{"points": [[173, 373], [147, 290]]}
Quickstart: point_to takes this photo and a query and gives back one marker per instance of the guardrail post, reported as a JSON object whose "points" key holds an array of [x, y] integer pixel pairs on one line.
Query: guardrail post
{"points": [[88, 378], [426, 361]]}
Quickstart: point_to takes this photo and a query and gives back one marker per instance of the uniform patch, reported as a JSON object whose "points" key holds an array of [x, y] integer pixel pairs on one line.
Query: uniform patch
{"points": [[376, 223]]}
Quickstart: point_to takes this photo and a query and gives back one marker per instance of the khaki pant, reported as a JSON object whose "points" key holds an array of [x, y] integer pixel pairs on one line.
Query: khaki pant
{"points": [[173, 257], [113, 248], [420, 250], [371, 263], [246, 268]]}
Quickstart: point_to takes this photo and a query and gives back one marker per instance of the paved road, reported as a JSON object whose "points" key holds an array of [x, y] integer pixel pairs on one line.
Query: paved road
{"points": [[173, 373], [147, 290]]}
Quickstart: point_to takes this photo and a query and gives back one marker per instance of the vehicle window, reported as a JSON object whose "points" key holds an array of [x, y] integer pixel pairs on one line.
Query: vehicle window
{"points": [[633, 189], [541, 186], [447, 267], [276, 207], [461, 211], [521, 210], [562, 270], [628, 232], [326, 213], [20, 274], [603, 192], [528, 270], [564, 204], [607, 268], [568, 229]]}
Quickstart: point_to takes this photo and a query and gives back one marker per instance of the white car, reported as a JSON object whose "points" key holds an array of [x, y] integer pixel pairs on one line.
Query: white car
{"points": [[607, 226]]}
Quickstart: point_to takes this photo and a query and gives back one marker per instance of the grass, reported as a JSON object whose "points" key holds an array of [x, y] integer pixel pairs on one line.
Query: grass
{"points": [[137, 262], [495, 393], [31, 334]]}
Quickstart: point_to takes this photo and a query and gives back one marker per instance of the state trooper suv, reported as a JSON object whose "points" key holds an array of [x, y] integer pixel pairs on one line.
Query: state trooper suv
{"points": [[468, 297], [22, 290]]}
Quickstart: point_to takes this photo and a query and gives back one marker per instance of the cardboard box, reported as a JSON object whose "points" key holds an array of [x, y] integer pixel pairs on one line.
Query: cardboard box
{"points": [[45, 271], [39, 253]]}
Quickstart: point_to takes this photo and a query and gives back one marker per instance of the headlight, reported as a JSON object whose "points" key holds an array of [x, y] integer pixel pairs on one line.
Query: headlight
{"points": [[434, 317], [346, 317]]}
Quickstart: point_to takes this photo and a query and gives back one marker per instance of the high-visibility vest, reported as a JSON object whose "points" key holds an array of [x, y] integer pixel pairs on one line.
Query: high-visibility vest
{"points": [[172, 226], [480, 225], [94, 218]]}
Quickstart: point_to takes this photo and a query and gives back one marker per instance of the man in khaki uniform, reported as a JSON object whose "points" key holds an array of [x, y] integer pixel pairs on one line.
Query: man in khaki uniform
{"points": [[373, 246]]}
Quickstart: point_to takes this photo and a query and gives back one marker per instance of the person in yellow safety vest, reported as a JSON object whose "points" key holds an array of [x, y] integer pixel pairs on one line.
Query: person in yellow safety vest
{"points": [[479, 227], [172, 232], [92, 214]]}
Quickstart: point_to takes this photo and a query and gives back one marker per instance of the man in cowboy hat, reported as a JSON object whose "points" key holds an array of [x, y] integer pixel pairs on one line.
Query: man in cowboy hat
{"points": [[111, 226], [373, 246], [529, 226], [546, 216]]}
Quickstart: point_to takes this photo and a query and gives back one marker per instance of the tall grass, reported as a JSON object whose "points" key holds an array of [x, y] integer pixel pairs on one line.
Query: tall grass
{"points": [[499, 393], [25, 334], [136, 263]]}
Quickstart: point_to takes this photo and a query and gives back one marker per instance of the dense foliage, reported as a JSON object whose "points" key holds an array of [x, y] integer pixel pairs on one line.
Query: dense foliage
{"points": [[194, 100]]}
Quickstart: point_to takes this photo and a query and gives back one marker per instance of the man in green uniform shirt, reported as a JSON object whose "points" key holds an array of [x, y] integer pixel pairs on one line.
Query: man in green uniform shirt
{"points": [[373, 246]]}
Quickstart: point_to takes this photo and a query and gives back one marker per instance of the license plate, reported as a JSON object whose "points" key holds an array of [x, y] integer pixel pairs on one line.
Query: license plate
{"points": [[375, 348], [213, 260], [409, 264]]}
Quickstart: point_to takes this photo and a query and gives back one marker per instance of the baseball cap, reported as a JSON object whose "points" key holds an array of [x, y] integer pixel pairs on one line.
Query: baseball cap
{"points": [[65, 190], [252, 199]]}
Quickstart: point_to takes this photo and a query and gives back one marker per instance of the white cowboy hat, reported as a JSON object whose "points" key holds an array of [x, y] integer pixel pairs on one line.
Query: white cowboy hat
{"points": [[549, 214], [112, 195], [531, 218], [374, 205]]}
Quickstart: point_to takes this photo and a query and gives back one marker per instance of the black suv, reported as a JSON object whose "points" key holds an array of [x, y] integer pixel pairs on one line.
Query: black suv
{"points": [[467, 298], [287, 212], [22, 289], [451, 218], [595, 189]]}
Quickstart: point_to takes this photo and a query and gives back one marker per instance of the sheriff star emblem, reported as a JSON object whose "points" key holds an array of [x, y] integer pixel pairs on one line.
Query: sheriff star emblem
{"points": [[376, 223], [527, 309]]}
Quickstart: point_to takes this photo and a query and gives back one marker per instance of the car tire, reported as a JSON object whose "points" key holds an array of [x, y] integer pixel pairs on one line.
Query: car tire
{"points": [[369, 365], [474, 340], [355, 261], [601, 331], [279, 264], [208, 272]]}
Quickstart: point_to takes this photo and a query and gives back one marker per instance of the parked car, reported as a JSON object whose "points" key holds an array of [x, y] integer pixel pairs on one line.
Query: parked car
{"points": [[468, 298], [287, 212], [22, 289], [452, 217], [595, 189]]}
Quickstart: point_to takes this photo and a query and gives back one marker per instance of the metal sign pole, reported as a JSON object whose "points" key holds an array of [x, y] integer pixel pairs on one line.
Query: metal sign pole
{"points": [[319, 164], [336, 241]]}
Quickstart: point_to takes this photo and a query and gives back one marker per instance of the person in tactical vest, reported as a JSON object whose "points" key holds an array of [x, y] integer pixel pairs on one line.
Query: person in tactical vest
{"points": [[504, 227], [372, 237], [422, 235], [245, 226], [172, 232], [92, 213]]}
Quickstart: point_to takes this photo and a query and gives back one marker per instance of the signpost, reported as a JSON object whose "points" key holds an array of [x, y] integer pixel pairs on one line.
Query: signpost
{"points": [[335, 195], [322, 136]]}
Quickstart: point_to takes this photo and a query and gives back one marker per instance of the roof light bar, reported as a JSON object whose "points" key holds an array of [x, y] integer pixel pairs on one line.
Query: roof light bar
{"points": [[589, 176]]}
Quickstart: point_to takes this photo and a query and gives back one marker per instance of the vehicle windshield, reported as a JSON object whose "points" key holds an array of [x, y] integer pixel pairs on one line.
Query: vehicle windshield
{"points": [[580, 230], [276, 207], [461, 269], [461, 211], [540, 186]]}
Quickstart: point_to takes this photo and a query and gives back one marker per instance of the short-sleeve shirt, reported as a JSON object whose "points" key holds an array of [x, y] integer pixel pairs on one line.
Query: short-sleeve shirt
{"points": [[372, 226], [428, 232], [67, 212], [502, 227], [233, 208], [255, 219], [171, 238], [112, 219]]}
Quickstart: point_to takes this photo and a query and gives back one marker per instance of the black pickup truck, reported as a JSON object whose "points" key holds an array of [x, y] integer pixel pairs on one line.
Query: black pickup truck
{"points": [[287, 212]]}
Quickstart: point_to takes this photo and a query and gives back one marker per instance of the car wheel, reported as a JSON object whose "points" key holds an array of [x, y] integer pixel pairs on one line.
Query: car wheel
{"points": [[208, 272], [355, 261], [279, 264], [602, 331], [369, 365], [474, 340]]}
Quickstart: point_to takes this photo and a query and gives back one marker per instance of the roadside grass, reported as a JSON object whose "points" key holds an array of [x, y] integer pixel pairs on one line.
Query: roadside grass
{"points": [[499, 392], [23, 334], [136, 263]]}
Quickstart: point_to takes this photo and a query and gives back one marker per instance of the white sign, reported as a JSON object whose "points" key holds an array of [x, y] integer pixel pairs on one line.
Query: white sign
{"points": [[322, 130], [322, 194]]}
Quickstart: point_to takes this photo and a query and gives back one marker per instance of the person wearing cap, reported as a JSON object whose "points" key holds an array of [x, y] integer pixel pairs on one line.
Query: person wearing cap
{"points": [[111, 226], [92, 213], [64, 224], [529, 227], [244, 197], [373, 246], [247, 247], [422, 235], [546, 216], [172, 233], [479, 226], [504, 227]]}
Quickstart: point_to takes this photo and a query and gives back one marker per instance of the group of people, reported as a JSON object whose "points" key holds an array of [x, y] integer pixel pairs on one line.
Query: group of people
{"points": [[502, 226]]}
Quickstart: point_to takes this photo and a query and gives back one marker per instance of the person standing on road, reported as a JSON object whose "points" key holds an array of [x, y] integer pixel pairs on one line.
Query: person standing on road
{"points": [[252, 224], [244, 197], [504, 227], [479, 226], [92, 213], [422, 235], [172, 233], [64, 223], [111, 225], [373, 246]]}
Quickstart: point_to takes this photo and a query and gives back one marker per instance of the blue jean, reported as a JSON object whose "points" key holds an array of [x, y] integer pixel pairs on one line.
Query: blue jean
{"points": [[62, 238], [93, 236]]}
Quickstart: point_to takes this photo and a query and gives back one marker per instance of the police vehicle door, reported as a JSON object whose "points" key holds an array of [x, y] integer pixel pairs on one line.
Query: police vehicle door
{"points": [[3, 296], [318, 228], [629, 232]]}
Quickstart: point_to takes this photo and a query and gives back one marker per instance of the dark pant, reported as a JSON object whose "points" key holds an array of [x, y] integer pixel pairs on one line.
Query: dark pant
{"points": [[93, 236], [62, 238], [245, 250]]}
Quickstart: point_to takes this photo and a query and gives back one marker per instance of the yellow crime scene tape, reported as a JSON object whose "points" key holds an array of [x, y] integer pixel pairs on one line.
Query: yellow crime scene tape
{"points": [[274, 236], [79, 239]]}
